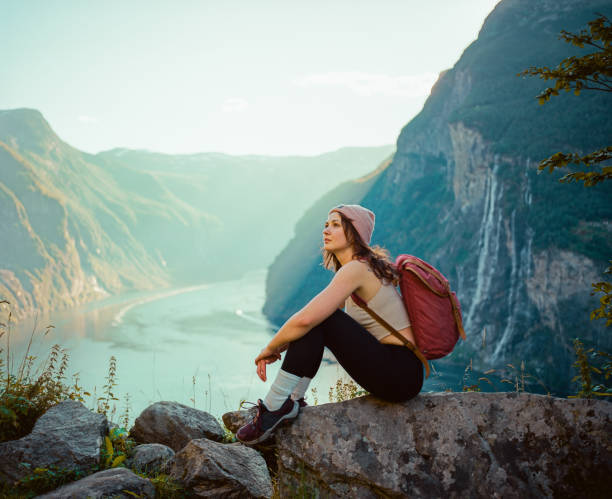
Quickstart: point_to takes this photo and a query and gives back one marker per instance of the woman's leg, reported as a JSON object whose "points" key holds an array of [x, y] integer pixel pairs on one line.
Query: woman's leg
{"points": [[304, 355], [294, 376], [388, 371], [299, 392]]}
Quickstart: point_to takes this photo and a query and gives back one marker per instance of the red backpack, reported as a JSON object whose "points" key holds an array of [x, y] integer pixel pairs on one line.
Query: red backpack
{"points": [[433, 309]]}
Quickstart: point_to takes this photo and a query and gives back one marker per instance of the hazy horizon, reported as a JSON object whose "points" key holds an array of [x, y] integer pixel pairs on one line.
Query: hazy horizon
{"points": [[270, 78]]}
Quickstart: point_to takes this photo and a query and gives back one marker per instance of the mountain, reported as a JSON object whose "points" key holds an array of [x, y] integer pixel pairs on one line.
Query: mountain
{"points": [[256, 199], [463, 192], [77, 227], [70, 232]]}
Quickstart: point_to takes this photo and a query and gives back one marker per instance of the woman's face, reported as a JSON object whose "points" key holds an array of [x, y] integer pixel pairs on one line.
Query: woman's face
{"points": [[334, 238]]}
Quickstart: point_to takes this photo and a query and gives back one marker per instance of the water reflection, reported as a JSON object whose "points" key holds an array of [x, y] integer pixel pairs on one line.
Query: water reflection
{"points": [[193, 345]]}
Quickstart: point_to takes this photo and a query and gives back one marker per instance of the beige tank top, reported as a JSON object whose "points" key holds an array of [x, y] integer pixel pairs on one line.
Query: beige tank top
{"points": [[387, 303]]}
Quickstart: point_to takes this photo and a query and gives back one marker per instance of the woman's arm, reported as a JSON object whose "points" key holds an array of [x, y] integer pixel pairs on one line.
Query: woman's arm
{"points": [[346, 280]]}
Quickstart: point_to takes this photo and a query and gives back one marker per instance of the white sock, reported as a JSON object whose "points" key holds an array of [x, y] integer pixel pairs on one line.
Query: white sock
{"points": [[300, 390], [281, 388]]}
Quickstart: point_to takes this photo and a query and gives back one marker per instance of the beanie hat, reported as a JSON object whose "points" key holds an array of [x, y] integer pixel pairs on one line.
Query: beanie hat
{"points": [[361, 218]]}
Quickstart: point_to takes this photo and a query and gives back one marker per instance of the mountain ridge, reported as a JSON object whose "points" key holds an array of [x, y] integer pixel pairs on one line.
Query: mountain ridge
{"points": [[81, 226]]}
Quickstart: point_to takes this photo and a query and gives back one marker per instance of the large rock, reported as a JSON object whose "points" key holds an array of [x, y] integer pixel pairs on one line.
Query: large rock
{"points": [[67, 436], [235, 419], [211, 469], [449, 445], [115, 482], [174, 425], [150, 457]]}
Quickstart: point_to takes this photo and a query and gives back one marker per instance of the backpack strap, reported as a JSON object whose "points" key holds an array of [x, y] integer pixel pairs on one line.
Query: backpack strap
{"points": [[457, 313], [362, 304]]}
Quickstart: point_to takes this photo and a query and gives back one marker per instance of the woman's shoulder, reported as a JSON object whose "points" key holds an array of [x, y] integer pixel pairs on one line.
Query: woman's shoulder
{"points": [[356, 269], [357, 264]]}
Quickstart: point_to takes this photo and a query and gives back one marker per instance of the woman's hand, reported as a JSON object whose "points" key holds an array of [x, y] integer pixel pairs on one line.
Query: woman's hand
{"points": [[265, 357]]}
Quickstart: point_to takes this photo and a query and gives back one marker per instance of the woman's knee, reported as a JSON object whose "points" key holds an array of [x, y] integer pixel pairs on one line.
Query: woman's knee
{"points": [[312, 338]]}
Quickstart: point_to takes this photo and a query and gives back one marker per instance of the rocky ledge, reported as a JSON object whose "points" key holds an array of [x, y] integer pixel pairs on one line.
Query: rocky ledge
{"points": [[449, 445], [446, 445]]}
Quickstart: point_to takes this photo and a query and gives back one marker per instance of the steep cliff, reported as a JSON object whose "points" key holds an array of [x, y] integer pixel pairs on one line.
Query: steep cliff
{"points": [[67, 230], [463, 192]]}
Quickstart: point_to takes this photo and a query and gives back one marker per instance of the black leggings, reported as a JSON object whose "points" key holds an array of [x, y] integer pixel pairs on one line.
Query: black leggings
{"points": [[391, 372]]}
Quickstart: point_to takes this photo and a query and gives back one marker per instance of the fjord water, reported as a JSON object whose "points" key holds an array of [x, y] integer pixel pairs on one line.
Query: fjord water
{"points": [[178, 344], [193, 345]]}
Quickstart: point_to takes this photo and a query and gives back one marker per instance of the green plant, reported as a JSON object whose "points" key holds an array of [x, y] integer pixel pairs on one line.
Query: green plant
{"points": [[592, 71], [28, 392], [345, 390], [116, 448], [519, 377], [229, 436], [77, 390], [104, 401], [315, 396], [467, 379], [42, 480], [605, 309], [125, 417], [207, 393], [587, 371], [166, 487]]}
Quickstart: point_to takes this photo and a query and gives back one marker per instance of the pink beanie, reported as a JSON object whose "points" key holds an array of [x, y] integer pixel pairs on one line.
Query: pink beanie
{"points": [[361, 218]]}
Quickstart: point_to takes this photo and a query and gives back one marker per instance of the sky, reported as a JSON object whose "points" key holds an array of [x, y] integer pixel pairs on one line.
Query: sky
{"points": [[270, 77]]}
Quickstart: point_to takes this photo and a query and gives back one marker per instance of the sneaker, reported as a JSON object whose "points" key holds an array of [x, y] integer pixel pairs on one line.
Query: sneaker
{"points": [[302, 402], [264, 422]]}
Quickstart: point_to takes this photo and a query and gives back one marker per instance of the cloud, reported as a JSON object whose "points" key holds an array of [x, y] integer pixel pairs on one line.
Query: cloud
{"points": [[235, 105], [370, 84], [87, 119]]}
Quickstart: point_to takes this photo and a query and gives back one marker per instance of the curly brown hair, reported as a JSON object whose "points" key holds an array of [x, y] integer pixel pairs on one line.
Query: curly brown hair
{"points": [[377, 257]]}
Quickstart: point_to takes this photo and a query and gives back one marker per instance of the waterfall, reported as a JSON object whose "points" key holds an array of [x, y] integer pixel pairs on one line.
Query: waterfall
{"points": [[527, 194], [519, 274], [513, 291], [460, 280], [488, 243], [526, 255]]}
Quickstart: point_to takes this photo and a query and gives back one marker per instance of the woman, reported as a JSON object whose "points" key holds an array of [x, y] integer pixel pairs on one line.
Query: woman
{"points": [[375, 359]]}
